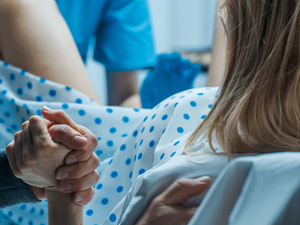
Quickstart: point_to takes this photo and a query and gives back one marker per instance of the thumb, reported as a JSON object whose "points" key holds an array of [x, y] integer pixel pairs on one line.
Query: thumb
{"points": [[61, 133], [183, 189], [59, 117]]}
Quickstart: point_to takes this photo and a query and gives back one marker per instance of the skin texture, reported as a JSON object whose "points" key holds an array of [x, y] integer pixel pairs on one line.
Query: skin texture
{"points": [[167, 207], [34, 157], [43, 46], [219, 53], [81, 176]]}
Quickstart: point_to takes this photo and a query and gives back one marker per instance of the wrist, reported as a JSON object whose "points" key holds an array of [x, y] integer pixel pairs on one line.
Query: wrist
{"points": [[39, 193], [62, 210]]}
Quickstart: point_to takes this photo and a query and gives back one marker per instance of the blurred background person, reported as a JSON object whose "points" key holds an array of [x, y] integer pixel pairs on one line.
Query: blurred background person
{"points": [[123, 41]]}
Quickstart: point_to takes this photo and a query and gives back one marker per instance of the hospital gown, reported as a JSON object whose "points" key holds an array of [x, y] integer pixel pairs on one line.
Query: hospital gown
{"points": [[131, 141]]}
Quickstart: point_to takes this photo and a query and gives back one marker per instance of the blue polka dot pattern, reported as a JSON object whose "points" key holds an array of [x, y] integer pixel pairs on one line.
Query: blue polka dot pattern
{"points": [[112, 218], [125, 119], [127, 137], [120, 189], [39, 112], [128, 161], [52, 93], [78, 101], [112, 130], [210, 106], [176, 143], [81, 112], [186, 116], [135, 133], [180, 130], [141, 171], [152, 143], [42, 212], [110, 143], [98, 121], [29, 85], [12, 77], [140, 156], [104, 201], [89, 212], [38, 98], [42, 80], [203, 117], [65, 106], [19, 91], [114, 174], [193, 104], [123, 147], [5, 64], [164, 117], [99, 186], [151, 129], [23, 72]]}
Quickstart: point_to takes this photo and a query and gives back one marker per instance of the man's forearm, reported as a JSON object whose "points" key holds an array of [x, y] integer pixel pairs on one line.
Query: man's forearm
{"points": [[61, 209], [120, 86], [12, 190]]}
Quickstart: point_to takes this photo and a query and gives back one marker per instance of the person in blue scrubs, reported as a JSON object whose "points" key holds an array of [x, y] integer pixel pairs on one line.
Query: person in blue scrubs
{"points": [[124, 40]]}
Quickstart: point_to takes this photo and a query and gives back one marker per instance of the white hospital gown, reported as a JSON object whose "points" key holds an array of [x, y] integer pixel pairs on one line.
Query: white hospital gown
{"points": [[131, 141]]}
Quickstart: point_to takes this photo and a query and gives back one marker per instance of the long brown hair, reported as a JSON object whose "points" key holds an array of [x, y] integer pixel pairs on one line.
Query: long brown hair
{"points": [[258, 107]]}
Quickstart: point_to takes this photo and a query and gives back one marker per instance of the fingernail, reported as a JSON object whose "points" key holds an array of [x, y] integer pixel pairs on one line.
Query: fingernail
{"points": [[78, 198], [79, 141], [71, 160], [62, 175], [46, 108], [202, 179], [65, 186]]}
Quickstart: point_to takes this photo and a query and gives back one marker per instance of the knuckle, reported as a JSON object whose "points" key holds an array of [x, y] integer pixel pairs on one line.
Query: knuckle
{"points": [[181, 183], [25, 124], [34, 119], [78, 185], [97, 176], [94, 141], [60, 113], [95, 161], [17, 135]]}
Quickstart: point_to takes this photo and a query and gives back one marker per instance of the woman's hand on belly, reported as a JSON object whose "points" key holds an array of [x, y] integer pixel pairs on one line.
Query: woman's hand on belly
{"points": [[167, 207]]}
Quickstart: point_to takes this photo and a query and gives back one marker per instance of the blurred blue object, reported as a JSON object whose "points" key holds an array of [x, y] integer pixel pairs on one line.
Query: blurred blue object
{"points": [[171, 75], [122, 29]]}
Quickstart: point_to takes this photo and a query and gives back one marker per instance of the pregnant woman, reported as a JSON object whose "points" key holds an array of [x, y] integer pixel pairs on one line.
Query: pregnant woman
{"points": [[255, 111]]}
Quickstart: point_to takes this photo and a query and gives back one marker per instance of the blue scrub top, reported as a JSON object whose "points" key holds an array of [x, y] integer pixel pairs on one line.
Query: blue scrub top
{"points": [[122, 28]]}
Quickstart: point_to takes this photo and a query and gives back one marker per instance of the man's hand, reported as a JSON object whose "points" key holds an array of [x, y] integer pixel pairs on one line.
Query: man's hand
{"points": [[167, 208]]}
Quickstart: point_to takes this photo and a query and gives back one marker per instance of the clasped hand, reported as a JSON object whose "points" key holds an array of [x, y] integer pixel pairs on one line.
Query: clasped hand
{"points": [[41, 156]]}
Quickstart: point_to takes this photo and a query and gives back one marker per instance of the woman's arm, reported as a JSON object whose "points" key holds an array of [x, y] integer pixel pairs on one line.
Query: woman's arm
{"points": [[216, 70], [35, 37], [61, 209]]}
